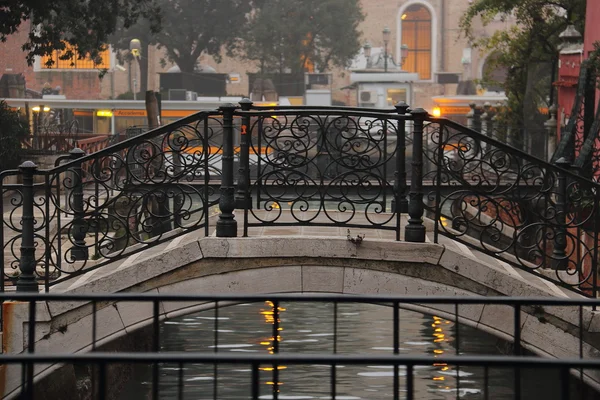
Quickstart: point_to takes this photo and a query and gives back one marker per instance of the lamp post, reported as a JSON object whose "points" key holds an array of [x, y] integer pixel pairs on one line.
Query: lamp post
{"points": [[568, 37], [367, 50], [403, 54], [135, 46], [386, 38]]}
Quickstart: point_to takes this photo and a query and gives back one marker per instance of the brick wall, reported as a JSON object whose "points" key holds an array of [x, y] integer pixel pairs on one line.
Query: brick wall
{"points": [[75, 85]]}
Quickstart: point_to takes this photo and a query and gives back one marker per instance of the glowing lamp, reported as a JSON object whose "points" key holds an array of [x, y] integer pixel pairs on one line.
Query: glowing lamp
{"points": [[104, 113], [437, 112]]}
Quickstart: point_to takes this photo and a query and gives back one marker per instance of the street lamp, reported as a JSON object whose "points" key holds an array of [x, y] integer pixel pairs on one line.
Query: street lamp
{"points": [[403, 54], [135, 46], [367, 50], [570, 36], [386, 38]]}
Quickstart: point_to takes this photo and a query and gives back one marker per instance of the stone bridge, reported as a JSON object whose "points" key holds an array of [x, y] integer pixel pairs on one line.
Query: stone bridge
{"points": [[305, 260]]}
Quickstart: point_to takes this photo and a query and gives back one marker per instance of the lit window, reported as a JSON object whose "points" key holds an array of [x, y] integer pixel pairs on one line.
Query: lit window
{"points": [[395, 96], [416, 34], [75, 62]]}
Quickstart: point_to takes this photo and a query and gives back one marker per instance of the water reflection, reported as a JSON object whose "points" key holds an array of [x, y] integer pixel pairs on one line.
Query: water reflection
{"points": [[272, 316], [309, 328]]}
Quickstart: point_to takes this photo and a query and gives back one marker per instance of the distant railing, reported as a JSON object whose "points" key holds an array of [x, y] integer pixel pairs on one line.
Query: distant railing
{"points": [[581, 371], [53, 143], [306, 166]]}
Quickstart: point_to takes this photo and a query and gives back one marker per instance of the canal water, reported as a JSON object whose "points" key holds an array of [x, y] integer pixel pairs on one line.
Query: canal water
{"points": [[308, 328]]}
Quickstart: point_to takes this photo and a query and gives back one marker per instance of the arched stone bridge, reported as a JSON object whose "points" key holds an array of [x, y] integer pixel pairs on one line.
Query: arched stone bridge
{"points": [[301, 260]]}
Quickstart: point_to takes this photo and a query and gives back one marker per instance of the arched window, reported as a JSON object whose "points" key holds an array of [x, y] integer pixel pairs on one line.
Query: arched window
{"points": [[416, 34]]}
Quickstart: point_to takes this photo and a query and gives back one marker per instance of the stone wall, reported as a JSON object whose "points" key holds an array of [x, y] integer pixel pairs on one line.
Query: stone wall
{"points": [[76, 382]]}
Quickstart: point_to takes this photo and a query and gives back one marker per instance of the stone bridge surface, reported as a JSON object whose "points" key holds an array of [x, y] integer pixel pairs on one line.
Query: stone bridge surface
{"points": [[301, 259]]}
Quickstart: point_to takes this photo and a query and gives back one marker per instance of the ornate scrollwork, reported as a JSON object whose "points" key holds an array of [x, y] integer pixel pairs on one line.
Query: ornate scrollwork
{"points": [[512, 206], [323, 168], [120, 200]]}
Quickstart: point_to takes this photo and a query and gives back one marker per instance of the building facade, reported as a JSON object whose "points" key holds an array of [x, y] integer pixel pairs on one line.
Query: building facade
{"points": [[429, 29]]}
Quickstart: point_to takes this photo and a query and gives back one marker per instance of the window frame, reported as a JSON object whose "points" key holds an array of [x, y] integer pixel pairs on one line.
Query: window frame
{"points": [[434, 33], [38, 67]]}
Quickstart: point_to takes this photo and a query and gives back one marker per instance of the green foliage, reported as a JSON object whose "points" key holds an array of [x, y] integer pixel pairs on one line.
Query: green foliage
{"points": [[85, 25], [13, 127], [528, 49], [193, 27], [285, 34], [188, 29]]}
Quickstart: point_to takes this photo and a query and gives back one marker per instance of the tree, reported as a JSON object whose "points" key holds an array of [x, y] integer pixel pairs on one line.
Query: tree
{"points": [[13, 128], [529, 49], [293, 35], [192, 27], [67, 25]]}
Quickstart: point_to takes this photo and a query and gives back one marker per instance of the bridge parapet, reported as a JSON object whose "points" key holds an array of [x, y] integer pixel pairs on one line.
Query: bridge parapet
{"points": [[312, 167]]}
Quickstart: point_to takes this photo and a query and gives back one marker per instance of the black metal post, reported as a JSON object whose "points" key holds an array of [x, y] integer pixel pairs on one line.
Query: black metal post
{"points": [[477, 119], [415, 230], [227, 225], [559, 255], [243, 199], [27, 281], [79, 252], [385, 60], [400, 171]]}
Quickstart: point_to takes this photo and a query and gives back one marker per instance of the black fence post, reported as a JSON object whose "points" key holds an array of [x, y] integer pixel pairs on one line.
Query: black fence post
{"points": [[415, 230], [79, 252], [559, 255], [227, 225], [400, 202], [243, 199], [27, 281]]}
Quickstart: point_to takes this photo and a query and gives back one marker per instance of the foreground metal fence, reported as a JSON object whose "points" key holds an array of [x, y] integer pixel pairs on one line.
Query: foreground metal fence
{"points": [[307, 166], [583, 370]]}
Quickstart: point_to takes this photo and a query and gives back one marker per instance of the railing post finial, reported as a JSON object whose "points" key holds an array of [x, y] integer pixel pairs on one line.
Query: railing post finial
{"points": [[226, 224], [402, 108], [27, 281], [415, 230]]}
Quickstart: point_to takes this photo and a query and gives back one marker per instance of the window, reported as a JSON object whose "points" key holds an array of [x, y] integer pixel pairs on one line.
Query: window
{"points": [[416, 34], [395, 96], [76, 63]]}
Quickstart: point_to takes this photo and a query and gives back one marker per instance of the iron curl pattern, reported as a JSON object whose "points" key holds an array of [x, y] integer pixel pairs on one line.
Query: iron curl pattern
{"points": [[512, 206], [324, 168], [95, 209], [11, 232]]}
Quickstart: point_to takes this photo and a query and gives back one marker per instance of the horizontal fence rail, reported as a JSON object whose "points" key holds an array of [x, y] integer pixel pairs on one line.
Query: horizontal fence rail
{"points": [[451, 306], [302, 166]]}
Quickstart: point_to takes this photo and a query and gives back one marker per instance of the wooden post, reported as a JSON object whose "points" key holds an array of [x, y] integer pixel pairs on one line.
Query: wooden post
{"points": [[152, 109]]}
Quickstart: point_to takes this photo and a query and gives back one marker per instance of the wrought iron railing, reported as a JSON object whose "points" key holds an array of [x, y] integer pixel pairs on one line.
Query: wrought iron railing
{"points": [[307, 166], [578, 373], [98, 208], [512, 206], [587, 162]]}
